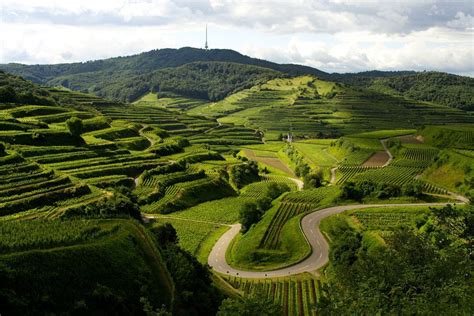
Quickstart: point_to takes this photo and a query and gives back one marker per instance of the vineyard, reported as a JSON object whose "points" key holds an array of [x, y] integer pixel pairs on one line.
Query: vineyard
{"points": [[297, 296], [87, 184], [292, 204], [386, 219], [407, 168]]}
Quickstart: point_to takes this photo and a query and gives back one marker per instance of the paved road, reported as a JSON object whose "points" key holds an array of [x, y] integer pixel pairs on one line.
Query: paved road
{"points": [[310, 226]]}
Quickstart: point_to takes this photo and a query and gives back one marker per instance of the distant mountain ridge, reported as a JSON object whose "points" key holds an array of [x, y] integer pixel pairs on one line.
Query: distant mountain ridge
{"points": [[150, 61], [175, 70]]}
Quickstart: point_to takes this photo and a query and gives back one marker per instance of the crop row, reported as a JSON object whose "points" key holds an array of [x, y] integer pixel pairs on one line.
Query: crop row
{"points": [[418, 154], [296, 296], [285, 212], [311, 196]]}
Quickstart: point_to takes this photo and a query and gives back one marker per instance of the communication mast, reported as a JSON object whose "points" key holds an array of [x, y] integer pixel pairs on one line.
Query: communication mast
{"points": [[206, 47]]}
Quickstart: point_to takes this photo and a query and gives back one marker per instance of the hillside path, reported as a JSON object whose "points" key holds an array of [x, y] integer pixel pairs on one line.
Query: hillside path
{"points": [[390, 156], [310, 226]]}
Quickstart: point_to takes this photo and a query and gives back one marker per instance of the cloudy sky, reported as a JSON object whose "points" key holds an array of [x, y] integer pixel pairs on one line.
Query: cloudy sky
{"points": [[332, 35]]}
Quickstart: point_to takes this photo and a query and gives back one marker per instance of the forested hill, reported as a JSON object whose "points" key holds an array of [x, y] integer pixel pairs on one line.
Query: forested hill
{"points": [[442, 88], [117, 77], [175, 70], [148, 62], [203, 80]]}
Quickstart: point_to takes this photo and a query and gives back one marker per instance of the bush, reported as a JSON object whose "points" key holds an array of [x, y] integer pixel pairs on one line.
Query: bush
{"points": [[116, 206], [313, 180], [249, 215], [245, 173], [75, 126]]}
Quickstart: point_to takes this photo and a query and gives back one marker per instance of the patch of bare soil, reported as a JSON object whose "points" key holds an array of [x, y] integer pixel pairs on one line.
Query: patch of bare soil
{"points": [[272, 162], [411, 139], [379, 159]]}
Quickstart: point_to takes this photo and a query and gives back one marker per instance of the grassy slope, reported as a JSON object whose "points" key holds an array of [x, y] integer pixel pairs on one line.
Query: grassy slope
{"points": [[453, 171], [89, 269]]}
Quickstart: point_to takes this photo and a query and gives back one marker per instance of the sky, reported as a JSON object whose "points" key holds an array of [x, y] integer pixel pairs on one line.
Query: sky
{"points": [[331, 35]]}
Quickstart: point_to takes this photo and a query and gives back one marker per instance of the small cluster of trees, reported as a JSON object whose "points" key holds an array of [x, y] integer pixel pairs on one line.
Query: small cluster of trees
{"points": [[244, 173], [302, 168], [10, 94], [117, 205], [359, 190], [312, 178]]}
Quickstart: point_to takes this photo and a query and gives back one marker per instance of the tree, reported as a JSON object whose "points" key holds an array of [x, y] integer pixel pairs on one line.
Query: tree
{"points": [[7, 94], [350, 192], [75, 126], [166, 234], [413, 189], [249, 215], [313, 179]]}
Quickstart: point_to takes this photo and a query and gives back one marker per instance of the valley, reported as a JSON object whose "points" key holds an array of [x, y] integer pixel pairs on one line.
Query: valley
{"points": [[204, 179]]}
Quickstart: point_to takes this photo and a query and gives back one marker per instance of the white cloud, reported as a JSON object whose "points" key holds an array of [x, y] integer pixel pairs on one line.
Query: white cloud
{"points": [[433, 49], [334, 35]]}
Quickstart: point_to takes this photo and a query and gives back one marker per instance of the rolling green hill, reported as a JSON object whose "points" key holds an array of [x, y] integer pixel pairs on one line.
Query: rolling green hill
{"points": [[313, 108], [174, 70], [202, 80], [97, 76], [437, 87]]}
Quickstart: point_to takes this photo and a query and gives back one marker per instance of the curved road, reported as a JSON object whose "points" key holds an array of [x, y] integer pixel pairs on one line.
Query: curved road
{"points": [[310, 226]]}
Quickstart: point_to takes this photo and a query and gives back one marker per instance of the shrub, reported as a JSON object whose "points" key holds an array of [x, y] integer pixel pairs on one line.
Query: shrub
{"points": [[245, 173], [313, 180], [249, 215], [75, 126]]}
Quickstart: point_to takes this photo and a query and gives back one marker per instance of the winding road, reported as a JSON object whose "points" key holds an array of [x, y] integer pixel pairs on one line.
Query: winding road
{"points": [[310, 226]]}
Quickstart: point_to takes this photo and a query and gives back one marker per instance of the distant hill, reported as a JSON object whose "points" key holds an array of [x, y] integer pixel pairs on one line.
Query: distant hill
{"points": [[14, 89], [97, 76], [175, 70], [203, 80], [442, 88]]}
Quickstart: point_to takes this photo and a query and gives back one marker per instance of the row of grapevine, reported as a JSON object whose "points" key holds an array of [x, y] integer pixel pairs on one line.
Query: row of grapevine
{"points": [[426, 154], [286, 211], [297, 296]]}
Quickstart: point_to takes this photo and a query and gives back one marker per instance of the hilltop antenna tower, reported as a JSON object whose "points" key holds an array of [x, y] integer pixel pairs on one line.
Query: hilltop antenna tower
{"points": [[206, 47]]}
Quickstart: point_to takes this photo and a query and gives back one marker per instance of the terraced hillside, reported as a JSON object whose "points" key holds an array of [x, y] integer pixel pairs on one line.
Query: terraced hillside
{"points": [[98, 177], [310, 107]]}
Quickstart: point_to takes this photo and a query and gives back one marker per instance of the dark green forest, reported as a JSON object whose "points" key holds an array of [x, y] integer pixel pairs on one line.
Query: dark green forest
{"points": [[442, 88]]}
